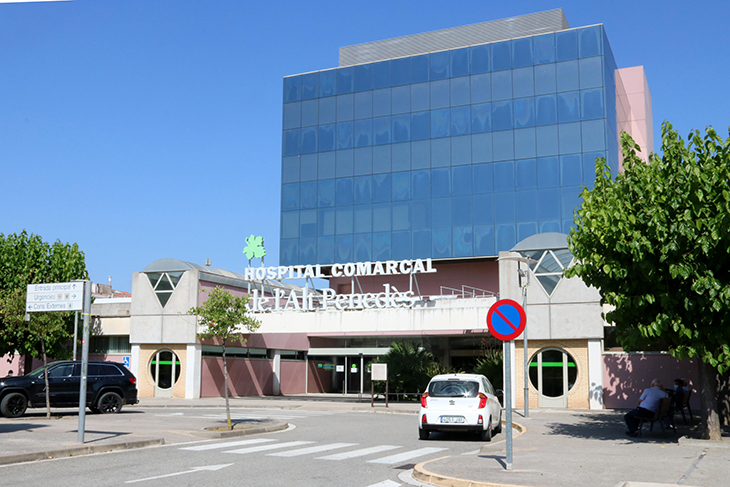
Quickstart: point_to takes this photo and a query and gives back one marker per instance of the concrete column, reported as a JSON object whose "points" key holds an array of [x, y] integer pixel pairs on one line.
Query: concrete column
{"points": [[193, 367], [277, 372], [595, 374], [134, 360]]}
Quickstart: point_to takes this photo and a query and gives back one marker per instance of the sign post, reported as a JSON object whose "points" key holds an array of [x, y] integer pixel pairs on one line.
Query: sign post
{"points": [[506, 320]]}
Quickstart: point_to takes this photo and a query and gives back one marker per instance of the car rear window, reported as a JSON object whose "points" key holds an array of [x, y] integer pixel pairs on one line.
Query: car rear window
{"points": [[453, 388], [103, 370]]}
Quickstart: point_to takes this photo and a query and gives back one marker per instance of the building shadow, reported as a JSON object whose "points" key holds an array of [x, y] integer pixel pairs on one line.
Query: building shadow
{"points": [[14, 427]]}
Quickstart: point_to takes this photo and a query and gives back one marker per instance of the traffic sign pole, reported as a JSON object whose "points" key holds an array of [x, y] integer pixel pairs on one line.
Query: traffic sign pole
{"points": [[508, 400], [86, 313]]}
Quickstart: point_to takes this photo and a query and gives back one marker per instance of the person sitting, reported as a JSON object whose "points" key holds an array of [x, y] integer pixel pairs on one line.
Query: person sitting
{"points": [[648, 405], [680, 389]]}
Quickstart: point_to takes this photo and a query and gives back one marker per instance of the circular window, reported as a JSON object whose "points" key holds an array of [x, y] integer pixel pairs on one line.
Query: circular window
{"points": [[165, 369], [553, 372]]}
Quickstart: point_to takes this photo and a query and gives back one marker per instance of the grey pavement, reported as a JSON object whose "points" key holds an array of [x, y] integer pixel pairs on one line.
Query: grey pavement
{"points": [[552, 448]]}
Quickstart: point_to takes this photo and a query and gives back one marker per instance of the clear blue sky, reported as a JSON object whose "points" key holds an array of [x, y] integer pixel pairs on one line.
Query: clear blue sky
{"points": [[144, 129]]}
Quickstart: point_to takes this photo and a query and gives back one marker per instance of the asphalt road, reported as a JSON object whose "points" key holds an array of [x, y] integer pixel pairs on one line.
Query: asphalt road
{"points": [[321, 448]]}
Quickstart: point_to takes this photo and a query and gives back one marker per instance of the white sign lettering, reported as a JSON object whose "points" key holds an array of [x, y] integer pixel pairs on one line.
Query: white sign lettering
{"points": [[351, 269]]}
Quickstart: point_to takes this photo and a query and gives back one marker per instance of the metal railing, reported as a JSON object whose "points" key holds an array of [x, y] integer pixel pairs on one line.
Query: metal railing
{"points": [[466, 292]]}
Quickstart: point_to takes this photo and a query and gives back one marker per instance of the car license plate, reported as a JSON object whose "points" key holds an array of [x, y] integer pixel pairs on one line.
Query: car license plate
{"points": [[452, 419]]}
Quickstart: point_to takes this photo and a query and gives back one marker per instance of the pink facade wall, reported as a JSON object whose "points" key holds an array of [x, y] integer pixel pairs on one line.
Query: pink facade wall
{"points": [[292, 376], [246, 377], [626, 375], [320, 380], [633, 109]]}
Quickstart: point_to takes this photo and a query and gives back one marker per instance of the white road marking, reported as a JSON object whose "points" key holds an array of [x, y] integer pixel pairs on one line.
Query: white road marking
{"points": [[226, 445], [254, 449], [312, 449], [210, 468], [401, 457], [359, 453], [385, 483]]}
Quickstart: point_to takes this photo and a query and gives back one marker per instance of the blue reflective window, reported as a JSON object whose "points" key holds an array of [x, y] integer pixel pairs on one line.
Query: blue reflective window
{"points": [[364, 105], [502, 115], [526, 229], [345, 107], [326, 83], [420, 153], [441, 212], [484, 240], [591, 75], [363, 161], [547, 140], [481, 118], [291, 142], [440, 122], [526, 174], [483, 209], [308, 223], [545, 81], [441, 242], [463, 244], [593, 135], [441, 182], [326, 163], [523, 82], [381, 217], [290, 169], [343, 248], [363, 190], [421, 214], [484, 178], [503, 147], [440, 152], [526, 206], [550, 226], [381, 159], [459, 62], [479, 59], [290, 224], [310, 86], [363, 216], [420, 97], [290, 196], [571, 170], [567, 76], [548, 172], [501, 56], [421, 184], [307, 251], [420, 126], [419, 68], [344, 165], [364, 77], [525, 145], [344, 221], [381, 188], [524, 112], [591, 104], [401, 128], [381, 246], [363, 133], [326, 250], [549, 203], [440, 94], [363, 247], [439, 65], [326, 193], [546, 110], [568, 107], [569, 201], [309, 167], [422, 244], [460, 121], [504, 207], [344, 135], [567, 45], [481, 147], [327, 110], [522, 52], [310, 113], [292, 115], [292, 89], [309, 140], [381, 130], [344, 192], [345, 80], [460, 91], [460, 150], [401, 99], [401, 186], [308, 194], [401, 160], [381, 102], [326, 221], [506, 236], [544, 48], [481, 88], [381, 76], [461, 208], [400, 71], [401, 211], [327, 137], [589, 41], [569, 137], [401, 246], [502, 85], [504, 176]]}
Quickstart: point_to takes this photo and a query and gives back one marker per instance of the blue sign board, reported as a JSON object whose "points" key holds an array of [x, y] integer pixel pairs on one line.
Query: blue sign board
{"points": [[506, 319]]}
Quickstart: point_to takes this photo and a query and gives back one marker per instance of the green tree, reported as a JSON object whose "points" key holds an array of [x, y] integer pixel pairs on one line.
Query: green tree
{"points": [[224, 316], [409, 365], [491, 366], [655, 241]]}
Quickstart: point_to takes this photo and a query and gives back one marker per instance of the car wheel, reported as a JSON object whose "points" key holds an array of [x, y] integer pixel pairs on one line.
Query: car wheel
{"points": [[498, 429], [423, 434], [13, 405], [109, 402], [487, 433]]}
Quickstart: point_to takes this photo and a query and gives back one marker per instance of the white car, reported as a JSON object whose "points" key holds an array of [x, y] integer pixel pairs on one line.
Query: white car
{"points": [[460, 402]]}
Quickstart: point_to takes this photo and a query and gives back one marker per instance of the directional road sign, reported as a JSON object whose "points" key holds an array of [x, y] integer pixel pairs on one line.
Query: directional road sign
{"points": [[58, 296], [506, 319]]}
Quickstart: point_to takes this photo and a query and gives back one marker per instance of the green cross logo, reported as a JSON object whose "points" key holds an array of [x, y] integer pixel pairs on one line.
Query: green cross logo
{"points": [[254, 247]]}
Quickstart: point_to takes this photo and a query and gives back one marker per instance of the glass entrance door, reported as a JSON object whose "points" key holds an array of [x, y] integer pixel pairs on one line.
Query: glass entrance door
{"points": [[165, 371], [553, 373]]}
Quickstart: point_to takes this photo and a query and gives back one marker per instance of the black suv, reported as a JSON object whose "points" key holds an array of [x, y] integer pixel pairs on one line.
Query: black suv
{"points": [[109, 386]]}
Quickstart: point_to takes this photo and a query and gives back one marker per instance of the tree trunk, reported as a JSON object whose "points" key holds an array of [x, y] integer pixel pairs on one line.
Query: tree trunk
{"points": [[225, 380], [710, 422], [27, 364], [45, 378]]}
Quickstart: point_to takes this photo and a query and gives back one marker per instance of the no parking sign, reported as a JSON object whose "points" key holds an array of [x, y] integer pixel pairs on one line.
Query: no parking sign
{"points": [[506, 319]]}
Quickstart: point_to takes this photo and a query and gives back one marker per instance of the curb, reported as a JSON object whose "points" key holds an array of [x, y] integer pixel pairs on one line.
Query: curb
{"points": [[717, 445], [79, 450], [278, 425]]}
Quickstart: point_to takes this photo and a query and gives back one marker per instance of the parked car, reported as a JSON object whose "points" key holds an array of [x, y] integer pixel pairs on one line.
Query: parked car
{"points": [[460, 402], [109, 386]]}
